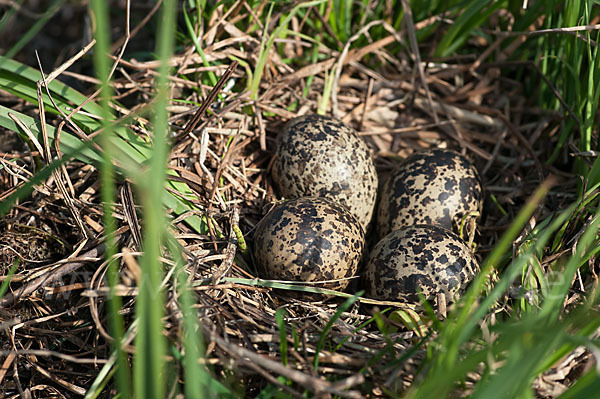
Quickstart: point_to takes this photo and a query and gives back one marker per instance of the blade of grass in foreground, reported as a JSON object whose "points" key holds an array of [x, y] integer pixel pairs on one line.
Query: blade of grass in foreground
{"points": [[193, 372], [587, 386], [8, 14], [522, 348], [150, 343], [283, 349], [525, 345], [108, 195], [465, 322]]}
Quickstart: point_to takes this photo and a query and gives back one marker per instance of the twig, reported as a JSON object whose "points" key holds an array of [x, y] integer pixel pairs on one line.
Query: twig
{"points": [[230, 251], [568, 29], [209, 99], [71, 387], [412, 36], [49, 353], [50, 277]]}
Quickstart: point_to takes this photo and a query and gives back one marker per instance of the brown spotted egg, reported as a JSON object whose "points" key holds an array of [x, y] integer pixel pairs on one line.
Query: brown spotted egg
{"points": [[309, 239], [422, 258], [430, 187], [317, 156]]}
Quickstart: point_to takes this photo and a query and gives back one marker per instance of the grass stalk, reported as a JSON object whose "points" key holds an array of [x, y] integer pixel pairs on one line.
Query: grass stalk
{"points": [[149, 359], [108, 193]]}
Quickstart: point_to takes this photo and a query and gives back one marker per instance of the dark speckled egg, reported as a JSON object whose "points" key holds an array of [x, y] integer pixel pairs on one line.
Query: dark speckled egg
{"points": [[317, 156], [431, 187], [421, 258], [309, 239]]}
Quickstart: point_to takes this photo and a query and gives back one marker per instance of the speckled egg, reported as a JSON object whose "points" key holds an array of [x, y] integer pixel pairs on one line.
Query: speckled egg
{"points": [[309, 239], [317, 156], [421, 258], [430, 187]]}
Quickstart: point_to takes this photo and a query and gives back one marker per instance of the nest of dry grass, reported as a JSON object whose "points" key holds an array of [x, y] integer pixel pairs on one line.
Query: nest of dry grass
{"points": [[54, 315]]}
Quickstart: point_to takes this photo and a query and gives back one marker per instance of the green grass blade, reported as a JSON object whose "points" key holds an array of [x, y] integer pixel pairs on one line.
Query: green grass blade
{"points": [[108, 195], [192, 342], [8, 14], [553, 305], [279, 315], [587, 386], [464, 321], [533, 346], [459, 326], [340, 19], [338, 313], [199, 383], [474, 14], [149, 359], [198, 45], [7, 277]]}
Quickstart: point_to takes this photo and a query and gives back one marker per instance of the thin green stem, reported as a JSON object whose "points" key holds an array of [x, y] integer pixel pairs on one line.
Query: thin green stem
{"points": [[108, 194], [149, 361]]}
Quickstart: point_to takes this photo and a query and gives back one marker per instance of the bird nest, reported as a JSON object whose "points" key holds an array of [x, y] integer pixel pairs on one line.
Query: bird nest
{"points": [[257, 331]]}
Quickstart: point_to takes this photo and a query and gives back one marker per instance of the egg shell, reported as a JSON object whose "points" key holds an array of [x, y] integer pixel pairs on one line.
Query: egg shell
{"points": [[317, 156], [309, 239], [430, 187], [422, 258]]}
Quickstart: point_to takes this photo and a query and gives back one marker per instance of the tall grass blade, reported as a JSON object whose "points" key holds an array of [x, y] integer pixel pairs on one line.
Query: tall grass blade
{"points": [[474, 14], [149, 359], [587, 386], [283, 350], [7, 277], [340, 19], [108, 194], [460, 326], [198, 45], [8, 14]]}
